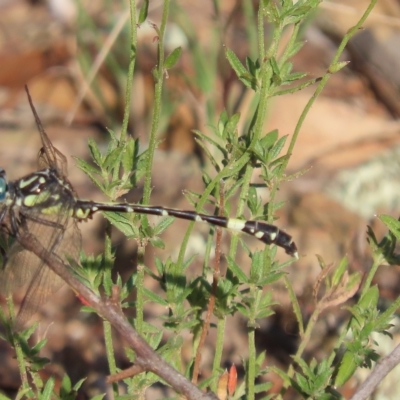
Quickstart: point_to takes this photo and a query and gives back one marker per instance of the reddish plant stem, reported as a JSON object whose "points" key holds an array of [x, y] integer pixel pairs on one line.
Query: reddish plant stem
{"points": [[211, 303]]}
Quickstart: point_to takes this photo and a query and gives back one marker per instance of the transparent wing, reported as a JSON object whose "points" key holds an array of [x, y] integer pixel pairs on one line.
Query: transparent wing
{"points": [[45, 214], [60, 236], [49, 156]]}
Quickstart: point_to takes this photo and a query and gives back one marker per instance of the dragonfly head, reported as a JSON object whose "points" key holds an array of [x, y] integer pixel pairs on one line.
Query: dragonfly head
{"points": [[3, 185]]}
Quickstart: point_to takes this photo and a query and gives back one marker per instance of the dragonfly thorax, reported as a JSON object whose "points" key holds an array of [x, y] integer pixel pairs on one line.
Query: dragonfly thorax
{"points": [[43, 190]]}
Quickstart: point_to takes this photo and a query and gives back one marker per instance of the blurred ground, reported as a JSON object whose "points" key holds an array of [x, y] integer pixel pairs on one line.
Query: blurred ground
{"points": [[349, 148]]}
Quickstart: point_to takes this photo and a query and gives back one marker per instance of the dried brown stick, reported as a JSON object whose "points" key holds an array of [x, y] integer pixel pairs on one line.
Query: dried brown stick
{"points": [[382, 368]]}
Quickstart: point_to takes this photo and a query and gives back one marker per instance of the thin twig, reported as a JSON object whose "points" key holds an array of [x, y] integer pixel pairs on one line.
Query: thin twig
{"points": [[126, 373]]}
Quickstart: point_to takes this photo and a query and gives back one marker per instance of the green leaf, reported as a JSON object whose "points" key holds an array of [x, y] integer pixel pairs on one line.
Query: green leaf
{"points": [[78, 384], [271, 278], [303, 383], [128, 156], [113, 159], [264, 313], [286, 5], [296, 88], [370, 298], [95, 152], [48, 389], [210, 140], [392, 223], [243, 310], [91, 172], [144, 9], [295, 304], [296, 47], [157, 242], [235, 63], [123, 223], [38, 346], [22, 393], [277, 147], [271, 12], [234, 267], [335, 67], [275, 67], [340, 270], [245, 76], [346, 369], [293, 77], [257, 267], [231, 126], [65, 385], [184, 294], [253, 201], [187, 263], [263, 387], [249, 81], [27, 333], [108, 282], [99, 397], [223, 120], [232, 190], [173, 58], [154, 297], [269, 139], [253, 67], [163, 225]]}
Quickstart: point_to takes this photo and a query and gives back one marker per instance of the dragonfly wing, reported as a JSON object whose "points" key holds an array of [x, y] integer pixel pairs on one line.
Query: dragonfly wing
{"points": [[49, 156], [58, 234], [15, 272], [25, 268]]}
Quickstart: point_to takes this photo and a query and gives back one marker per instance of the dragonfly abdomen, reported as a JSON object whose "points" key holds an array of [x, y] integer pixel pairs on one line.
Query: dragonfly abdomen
{"points": [[267, 233]]}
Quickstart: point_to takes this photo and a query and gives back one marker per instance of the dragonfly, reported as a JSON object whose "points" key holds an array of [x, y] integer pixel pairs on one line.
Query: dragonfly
{"points": [[45, 205]]}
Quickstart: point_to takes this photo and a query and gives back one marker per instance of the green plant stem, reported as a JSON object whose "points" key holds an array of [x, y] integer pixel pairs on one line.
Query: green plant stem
{"points": [[266, 74], [370, 276], [262, 105], [295, 305], [131, 68], [157, 105], [260, 29], [251, 369], [18, 349], [306, 338], [110, 353], [339, 343], [252, 33], [106, 325], [139, 289], [219, 346], [289, 46], [149, 161], [21, 364], [242, 202], [276, 38]]}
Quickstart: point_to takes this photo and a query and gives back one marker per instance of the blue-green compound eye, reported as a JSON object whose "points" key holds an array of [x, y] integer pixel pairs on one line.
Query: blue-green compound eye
{"points": [[3, 186]]}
